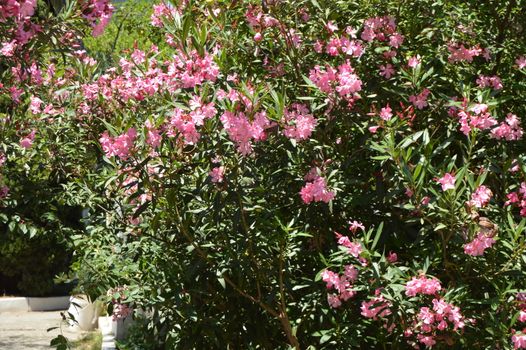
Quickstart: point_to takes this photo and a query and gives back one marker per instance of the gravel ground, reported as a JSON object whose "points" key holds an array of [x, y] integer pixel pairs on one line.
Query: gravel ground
{"points": [[28, 330]]}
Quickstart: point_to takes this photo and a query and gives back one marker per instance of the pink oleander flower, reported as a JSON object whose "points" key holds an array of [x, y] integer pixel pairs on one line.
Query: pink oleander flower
{"points": [[258, 37], [35, 105], [396, 40], [413, 61], [509, 130], [519, 340], [355, 226], [217, 174], [387, 71], [420, 100], [242, 131], [316, 191], [98, 14], [8, 48], [349, 83], [427, 340], [373, 129], [334, 301], [487, 81], [299, 123], [459, 53], [331, 278], [479, 245], [153, 135], [392, 257], [522, 316], [481, 197], [447, 181], [386, 113], [120, 146], [353, 248], [521, 62], [27, 141], [351, 273], [422, 285]]}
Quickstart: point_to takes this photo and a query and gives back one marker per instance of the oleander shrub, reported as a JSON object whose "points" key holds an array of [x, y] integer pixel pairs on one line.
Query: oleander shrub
{"points": [[302, 174]]}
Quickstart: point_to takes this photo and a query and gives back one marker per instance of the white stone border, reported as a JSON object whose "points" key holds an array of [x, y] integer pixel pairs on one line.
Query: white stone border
{"points": [[27, 304]]}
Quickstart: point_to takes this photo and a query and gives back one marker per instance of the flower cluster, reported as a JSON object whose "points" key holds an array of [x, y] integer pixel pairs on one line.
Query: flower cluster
{"points": [[242, 131], [316, 190], [342, 80], [429, 322], [477, 247], [481, 197], [459, 53], [353, 248], [509, 129], [476, 117], [299, 123], [341, 283], [382, 29], [121, 310], [487, 81], [518, 199], [447, 182], [422, 285], [120, 146], [420, 100], [186, 123]]}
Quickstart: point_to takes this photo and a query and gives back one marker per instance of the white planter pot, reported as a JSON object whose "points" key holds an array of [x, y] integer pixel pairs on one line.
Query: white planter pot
{"points": [[84, 312], [48, 304]]}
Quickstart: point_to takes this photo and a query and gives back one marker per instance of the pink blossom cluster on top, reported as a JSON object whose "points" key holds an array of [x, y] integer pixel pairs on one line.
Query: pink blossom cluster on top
{"points": [[518, 199], [22, 30], [422, 285], [120, 146], [341, 283], [344, 44], [299, 123], [479, 244], [442, 317], [183, 71]]}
